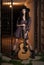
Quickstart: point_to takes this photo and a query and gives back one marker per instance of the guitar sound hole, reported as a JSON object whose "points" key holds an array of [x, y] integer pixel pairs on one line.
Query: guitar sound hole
{"points": [[23, 52]]}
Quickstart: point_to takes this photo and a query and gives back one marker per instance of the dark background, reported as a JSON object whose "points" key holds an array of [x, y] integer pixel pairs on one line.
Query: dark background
{"points": [[6, 19]]}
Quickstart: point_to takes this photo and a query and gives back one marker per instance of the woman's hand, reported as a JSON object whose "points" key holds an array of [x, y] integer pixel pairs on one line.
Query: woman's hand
{"points": [[23, 25]]}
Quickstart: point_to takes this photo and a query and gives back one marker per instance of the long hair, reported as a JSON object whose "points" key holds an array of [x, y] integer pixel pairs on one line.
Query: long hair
{"points": [[26, 14]]}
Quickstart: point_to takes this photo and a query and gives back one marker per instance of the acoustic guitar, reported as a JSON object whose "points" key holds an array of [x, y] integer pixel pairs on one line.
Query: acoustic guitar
{"points": [[24, 52]]}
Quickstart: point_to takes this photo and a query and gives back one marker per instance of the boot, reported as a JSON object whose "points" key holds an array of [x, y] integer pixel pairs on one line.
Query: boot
{"points": [[32, 54]]}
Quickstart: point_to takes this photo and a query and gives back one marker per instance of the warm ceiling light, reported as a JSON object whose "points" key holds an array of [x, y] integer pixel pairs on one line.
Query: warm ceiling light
{"points": [[14, 3], [6, 3]]}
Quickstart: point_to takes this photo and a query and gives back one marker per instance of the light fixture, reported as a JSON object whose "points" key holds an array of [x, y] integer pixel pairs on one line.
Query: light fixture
{"points": [[14, 3], [10, 6]]}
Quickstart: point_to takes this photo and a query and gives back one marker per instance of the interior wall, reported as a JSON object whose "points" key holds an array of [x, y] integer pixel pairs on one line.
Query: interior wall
{"points": [[31, 33], [31, 14]]}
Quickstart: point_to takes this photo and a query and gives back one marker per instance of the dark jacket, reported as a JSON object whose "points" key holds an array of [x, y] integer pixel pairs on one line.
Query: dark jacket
{"points": [[19, 29]]}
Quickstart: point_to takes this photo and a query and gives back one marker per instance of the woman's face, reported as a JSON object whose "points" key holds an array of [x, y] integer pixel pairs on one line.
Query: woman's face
{"points": [[23, 11]]}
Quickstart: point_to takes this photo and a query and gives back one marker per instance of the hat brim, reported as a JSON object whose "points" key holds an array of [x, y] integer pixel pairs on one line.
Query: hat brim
{"points": [[27, 9]]}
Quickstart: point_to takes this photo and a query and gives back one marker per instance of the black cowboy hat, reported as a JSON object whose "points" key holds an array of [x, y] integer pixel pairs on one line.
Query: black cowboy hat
{"points": [[27, 9]]}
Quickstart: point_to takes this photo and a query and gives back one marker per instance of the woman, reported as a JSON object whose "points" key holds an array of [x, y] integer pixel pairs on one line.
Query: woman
{"points": [[23, 20], [23, 23]]}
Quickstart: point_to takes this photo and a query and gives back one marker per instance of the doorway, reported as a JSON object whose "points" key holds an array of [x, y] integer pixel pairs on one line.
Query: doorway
{"points": [[6, 27]]}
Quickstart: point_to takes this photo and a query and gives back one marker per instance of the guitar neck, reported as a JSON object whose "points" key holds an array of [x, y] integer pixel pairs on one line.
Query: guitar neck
{"points": [[24, 38]]}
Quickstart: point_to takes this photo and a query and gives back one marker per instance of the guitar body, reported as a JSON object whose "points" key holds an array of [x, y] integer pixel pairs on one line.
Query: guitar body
{"points": [[22, 54]]}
